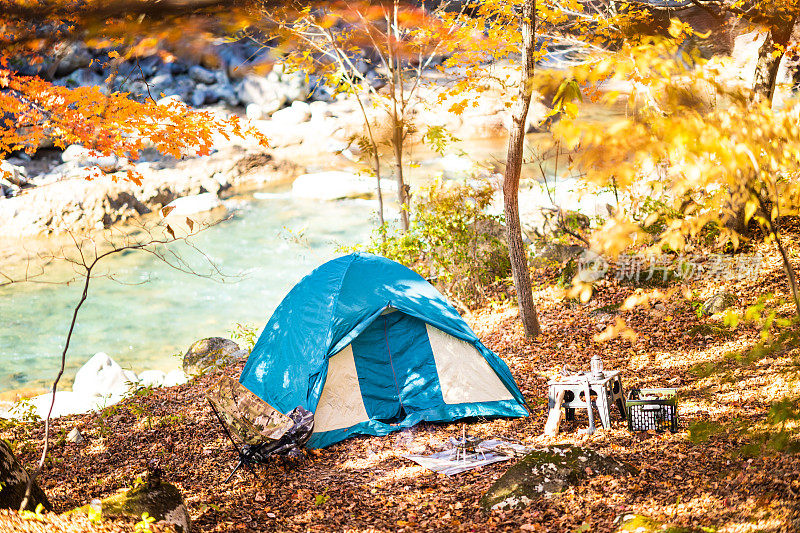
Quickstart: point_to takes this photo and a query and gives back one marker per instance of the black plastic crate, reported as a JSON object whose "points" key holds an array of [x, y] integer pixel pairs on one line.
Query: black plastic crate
{"points": [[652, 409]]}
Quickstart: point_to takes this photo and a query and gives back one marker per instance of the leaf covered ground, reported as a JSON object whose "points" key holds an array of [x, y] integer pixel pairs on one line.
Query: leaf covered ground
{"points": [[363, 484]]}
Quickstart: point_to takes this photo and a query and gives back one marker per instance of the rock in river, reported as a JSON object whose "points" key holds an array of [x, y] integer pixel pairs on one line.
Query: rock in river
{"points": [[198, 203]]}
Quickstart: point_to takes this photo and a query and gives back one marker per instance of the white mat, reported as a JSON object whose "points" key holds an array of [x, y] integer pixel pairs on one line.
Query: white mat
{"points": [[489, 451]]}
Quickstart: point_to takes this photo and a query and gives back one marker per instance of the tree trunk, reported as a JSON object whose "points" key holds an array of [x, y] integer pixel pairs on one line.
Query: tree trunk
{"points": [[773, 225], [793, 61], [769, 59], [377, 168], [787, 267], [402, 188], [766, 70], [516, 139], [398, 119]]}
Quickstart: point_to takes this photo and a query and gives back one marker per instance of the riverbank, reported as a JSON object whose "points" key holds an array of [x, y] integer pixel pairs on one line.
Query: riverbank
{"points": [[366, 485], [47, 194], [307, 138]]}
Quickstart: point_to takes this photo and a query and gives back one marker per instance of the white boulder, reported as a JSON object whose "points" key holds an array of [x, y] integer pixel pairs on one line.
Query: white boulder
{"points": [[262, 110], [102, 376], [175, 377], [261, 90], [152, 378], [319, 110], [67, 403], [199, 203], [84, 157], [13, 173], [73, 152], [254, 112], [336, 185], [297, 113]]}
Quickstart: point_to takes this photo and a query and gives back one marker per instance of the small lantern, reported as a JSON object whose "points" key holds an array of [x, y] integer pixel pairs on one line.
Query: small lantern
{"points": [[596, 365]]}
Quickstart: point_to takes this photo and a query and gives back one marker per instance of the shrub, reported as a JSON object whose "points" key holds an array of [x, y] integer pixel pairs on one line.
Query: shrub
{"points": [[452, 241]]}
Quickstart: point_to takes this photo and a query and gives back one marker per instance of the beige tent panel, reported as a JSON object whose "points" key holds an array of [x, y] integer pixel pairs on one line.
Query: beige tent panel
{"points": [[464, 374], [340, 404]]}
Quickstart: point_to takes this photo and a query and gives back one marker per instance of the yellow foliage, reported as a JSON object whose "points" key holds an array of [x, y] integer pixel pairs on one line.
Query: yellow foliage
{"points": [[618, 329], [703, 160], [641, 298]]}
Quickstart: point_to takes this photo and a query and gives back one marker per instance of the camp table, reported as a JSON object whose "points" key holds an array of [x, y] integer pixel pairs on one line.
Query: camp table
{"points": [[607, 387]]}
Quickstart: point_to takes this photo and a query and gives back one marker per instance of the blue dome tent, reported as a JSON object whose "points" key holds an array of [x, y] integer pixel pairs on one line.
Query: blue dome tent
{"points": [[370, 347]]}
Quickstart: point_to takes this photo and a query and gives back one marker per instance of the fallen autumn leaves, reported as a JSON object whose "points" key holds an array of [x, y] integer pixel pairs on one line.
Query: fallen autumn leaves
{"points": [[362, 484]]}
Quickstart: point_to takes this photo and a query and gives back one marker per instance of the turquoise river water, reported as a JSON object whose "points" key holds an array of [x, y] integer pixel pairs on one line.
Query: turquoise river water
{"points": [[149, 312]]}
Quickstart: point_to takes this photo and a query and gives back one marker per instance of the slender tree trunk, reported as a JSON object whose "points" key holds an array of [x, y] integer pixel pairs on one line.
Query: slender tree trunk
{"points": [[398, 122], [516, 139], [787, 266], [773, 226], [380, 192], [769, 61], [766, 70], [376, 167], [402, 188], [793, 62], [46, 447]]}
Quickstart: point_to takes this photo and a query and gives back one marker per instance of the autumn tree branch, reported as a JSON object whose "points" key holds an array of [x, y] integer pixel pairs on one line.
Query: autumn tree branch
{"points": [[86, 262]]}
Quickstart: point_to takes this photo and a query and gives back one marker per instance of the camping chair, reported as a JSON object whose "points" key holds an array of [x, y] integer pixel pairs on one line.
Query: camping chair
{"points": [[261, 429]]}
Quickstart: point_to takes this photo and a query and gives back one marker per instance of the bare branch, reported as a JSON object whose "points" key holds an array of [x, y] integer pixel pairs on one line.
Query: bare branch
{"points": [[85, 265]]}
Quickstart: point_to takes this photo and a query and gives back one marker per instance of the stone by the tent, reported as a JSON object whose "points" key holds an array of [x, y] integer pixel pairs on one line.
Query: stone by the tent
{"points": [[102, 376], [75, 436], [549, 470], [209, 353], [14, 481], [719, 302], [163, 501]]}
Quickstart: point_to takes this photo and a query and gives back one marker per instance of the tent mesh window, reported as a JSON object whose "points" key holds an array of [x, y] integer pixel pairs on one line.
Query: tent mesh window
{"points": [[655, 409]]}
